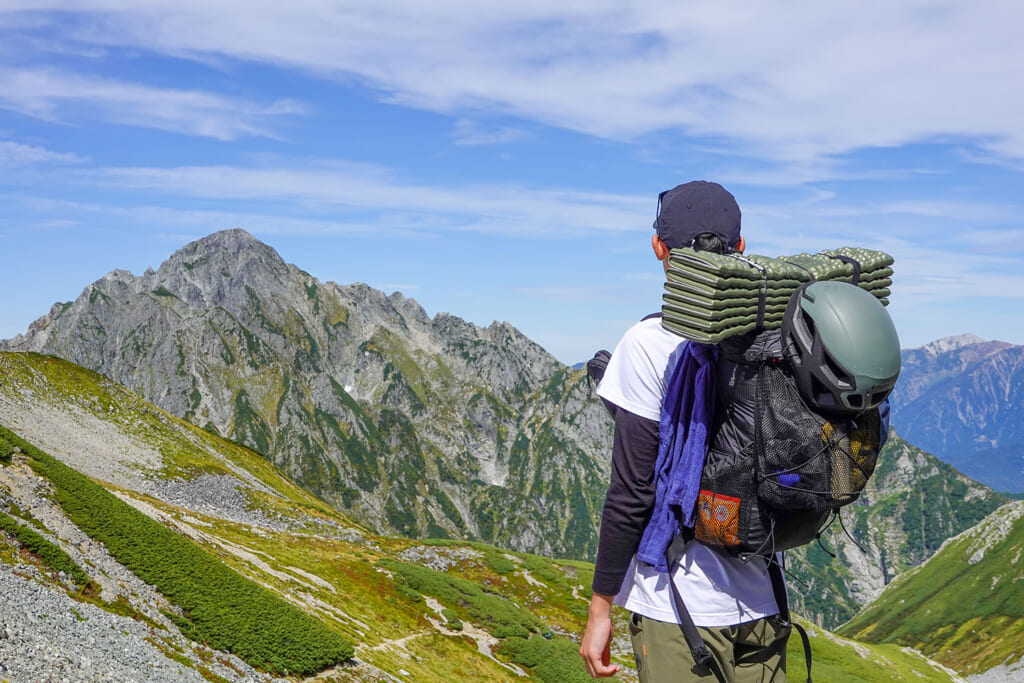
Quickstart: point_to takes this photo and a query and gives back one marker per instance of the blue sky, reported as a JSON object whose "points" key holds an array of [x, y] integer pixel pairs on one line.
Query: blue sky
{"points": [[501, 161]]}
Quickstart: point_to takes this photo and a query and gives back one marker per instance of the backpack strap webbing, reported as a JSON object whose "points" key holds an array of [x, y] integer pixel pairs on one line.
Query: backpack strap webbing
{"points": [[782, 600], [705, 663]]}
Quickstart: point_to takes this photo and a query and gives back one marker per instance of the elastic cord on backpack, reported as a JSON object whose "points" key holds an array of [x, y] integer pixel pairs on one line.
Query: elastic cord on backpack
{"points": [[852, 261], [763, 293], [848, 534]]}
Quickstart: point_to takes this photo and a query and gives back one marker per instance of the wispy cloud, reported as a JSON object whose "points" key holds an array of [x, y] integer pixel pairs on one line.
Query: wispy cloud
{"points": [[52, 95], [818, 79], [488, 208], [17, 154], [471, 133]]}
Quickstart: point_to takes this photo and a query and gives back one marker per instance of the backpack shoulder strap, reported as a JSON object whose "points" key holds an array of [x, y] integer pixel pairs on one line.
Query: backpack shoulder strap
{"points": [[782, 600], [704, 661]]}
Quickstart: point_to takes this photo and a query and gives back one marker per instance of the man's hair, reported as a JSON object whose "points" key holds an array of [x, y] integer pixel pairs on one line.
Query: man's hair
{"points": [[707, 241]]}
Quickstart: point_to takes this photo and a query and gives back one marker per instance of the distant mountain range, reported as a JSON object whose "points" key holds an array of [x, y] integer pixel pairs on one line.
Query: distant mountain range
{"points": [[962, 399], [433, 427]]}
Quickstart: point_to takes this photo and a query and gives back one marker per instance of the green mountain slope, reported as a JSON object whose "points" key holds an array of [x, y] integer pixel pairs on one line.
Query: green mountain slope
{"points": [[435, 611], [965, 606], [425, 611]]}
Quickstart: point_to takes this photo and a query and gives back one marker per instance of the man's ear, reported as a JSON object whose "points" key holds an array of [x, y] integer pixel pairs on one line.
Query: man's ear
{"points": [[741, 245], [660, 249]]}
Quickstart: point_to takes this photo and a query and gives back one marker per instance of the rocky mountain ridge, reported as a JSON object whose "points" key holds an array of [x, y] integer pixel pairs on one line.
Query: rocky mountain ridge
{"points": [[416, 425]]}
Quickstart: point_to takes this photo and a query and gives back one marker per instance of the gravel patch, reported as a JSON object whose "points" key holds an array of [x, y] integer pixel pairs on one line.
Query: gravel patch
{"points": [[48, 636], [1004, 673], [438, 558]]}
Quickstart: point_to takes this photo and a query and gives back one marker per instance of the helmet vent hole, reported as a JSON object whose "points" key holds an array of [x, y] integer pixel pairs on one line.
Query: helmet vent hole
{"points": [[820, 392], [809, 323], [840, 375]]}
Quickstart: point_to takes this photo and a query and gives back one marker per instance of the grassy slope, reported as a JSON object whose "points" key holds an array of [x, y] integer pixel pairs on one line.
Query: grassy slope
{"points": [[261, 628], [839, 659], [342, 578], [186, 450], [965, 606]]}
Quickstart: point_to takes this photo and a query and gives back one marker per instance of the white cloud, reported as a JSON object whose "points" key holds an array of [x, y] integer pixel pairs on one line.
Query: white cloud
{"points": [[49, 94], [17, 154], [351, 188], [799, 82], [469, 133]]}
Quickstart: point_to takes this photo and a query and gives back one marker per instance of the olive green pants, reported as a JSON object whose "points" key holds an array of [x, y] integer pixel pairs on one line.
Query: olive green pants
{"points": [[754, 652]]}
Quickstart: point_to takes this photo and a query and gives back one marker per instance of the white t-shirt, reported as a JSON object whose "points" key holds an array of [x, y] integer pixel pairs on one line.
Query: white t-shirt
{"points": [[718, 589]]}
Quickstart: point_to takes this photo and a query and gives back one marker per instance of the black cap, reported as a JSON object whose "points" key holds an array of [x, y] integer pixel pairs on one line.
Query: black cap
{"points": [[689, 209]]}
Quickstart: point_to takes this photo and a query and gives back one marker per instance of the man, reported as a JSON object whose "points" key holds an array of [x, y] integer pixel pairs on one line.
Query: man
{"points": [[730, 600]]}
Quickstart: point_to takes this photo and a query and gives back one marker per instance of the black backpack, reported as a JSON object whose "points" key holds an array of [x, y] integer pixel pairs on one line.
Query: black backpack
{"points": [[776, 470]]}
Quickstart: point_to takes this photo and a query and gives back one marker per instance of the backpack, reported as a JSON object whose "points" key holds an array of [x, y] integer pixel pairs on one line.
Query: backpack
{"points": [[776, 469]]}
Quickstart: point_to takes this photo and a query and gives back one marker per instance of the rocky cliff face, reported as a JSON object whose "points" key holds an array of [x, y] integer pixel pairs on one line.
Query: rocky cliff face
{"points": [[416, 425], [962, 398]]}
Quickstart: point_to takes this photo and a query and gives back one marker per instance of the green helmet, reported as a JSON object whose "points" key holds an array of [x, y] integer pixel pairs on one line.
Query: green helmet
{"points": [[842, 346]]}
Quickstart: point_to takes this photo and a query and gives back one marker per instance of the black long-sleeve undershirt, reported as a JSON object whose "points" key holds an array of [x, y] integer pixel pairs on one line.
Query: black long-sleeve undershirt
{"points": [[630, 499]]}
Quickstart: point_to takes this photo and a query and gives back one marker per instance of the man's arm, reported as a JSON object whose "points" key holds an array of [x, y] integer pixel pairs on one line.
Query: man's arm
{"points": [[627, 508], [630, 498]]}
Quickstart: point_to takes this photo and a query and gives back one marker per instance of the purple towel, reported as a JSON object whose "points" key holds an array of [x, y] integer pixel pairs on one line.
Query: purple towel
{"points": [[686, 414]]}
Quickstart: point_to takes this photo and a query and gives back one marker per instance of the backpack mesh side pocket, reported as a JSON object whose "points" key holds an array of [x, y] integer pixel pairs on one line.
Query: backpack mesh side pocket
{"points": [[808, 461]]}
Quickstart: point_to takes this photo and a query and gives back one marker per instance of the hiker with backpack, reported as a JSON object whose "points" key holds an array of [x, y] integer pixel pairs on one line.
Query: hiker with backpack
{"points": [[718, 607]]}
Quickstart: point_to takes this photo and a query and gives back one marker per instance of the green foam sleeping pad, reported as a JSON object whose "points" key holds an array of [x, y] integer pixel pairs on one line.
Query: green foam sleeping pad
{"points": [[709, 297]]}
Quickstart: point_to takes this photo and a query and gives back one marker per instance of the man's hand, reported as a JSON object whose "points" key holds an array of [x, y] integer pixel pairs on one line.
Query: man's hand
{"points": [[597, 639]]}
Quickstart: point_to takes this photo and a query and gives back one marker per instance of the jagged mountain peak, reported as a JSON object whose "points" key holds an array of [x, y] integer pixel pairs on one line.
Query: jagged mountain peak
{"points": [[208, 270], [230, 249], [232, 239]]}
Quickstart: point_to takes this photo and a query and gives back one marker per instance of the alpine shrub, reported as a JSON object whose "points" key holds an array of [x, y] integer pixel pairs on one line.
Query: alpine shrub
{"points": [[552, 661], [48, 553], [470, 602]]}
